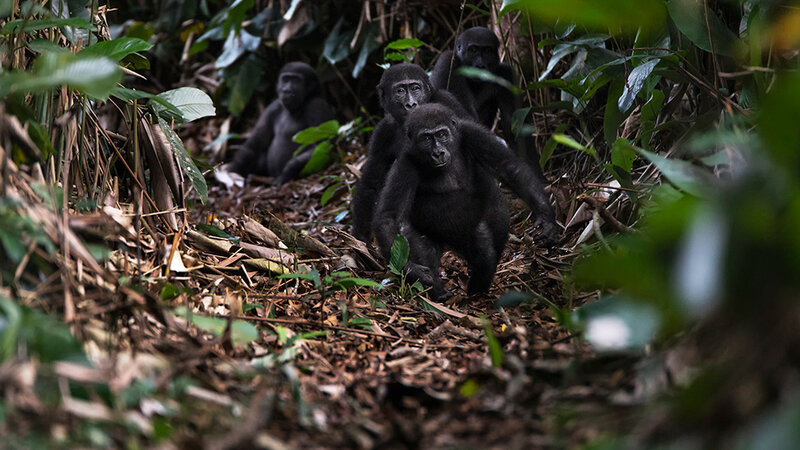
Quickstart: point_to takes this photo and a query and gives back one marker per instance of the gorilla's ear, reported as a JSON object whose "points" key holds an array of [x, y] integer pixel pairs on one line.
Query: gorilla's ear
{"points": [[453, 121]]}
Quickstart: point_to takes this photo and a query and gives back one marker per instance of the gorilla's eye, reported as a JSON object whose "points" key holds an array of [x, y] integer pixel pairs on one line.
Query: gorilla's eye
{"points": [[399, 91], [441, 135], [472, 50], [416, 87]]}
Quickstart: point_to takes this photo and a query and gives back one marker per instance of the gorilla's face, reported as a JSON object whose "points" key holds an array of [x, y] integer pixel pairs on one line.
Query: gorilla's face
{"points": [[433, 146], [292, 90], [405, 95]]}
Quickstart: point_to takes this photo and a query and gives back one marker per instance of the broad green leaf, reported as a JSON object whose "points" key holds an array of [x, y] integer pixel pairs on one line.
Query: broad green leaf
{"points": [[402, 44], [326, 196], [116, 49], [369, 45], [243, 82], [312, 135], [627, 15], [337, 44], [319, 159], [214, 231], [690, 18], [5, 8], [94, 76], [185, 161], [635, 83], [613, 117], [44, 45], [680, 173], [399, 254], [623, 154], [192, 103]]}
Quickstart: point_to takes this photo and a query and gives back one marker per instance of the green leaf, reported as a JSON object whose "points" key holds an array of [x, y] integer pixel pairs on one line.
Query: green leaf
{"points": [[214, 231], [26, 26], [399, 255], [326, 196], [623, 154], [403, 44], [627, 15], [690, 18], [319, 159], [191, 102], [569, 142], [550, 146], [43, 45], [242, 333], [116, 49], [311, 135], [337, 44], [185, 161], [680, 173], [613, 117], [495, 350], [650, 112], [243, 82], [635, 83], [94, 76]]}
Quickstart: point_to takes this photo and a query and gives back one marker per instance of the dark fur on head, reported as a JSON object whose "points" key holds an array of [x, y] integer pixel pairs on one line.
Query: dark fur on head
{"points": [[479, 35], [404, 71], [428, 116], [307, 72]]}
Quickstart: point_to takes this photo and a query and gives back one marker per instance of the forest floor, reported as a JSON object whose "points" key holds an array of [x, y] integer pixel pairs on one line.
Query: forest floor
{"points": [[355, 367]]}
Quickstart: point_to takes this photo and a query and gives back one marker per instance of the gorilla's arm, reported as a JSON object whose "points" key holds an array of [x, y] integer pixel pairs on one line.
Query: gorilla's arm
{"points": [[316, 111], [501, 160], [251, 157], [373, 175], [395, 203]]}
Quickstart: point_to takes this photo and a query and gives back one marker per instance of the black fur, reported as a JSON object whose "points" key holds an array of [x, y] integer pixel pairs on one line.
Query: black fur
{"points": [[441, 193], [269, 151], [388, 139]]}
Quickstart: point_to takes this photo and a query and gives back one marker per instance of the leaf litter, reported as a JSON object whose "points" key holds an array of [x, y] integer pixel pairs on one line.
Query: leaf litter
{"points": [[198, 337]]}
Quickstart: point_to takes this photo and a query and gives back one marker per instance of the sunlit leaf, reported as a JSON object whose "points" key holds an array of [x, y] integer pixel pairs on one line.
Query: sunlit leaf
{"points": [[191, 102], [402, 44], [312, 135], [94, 76]]}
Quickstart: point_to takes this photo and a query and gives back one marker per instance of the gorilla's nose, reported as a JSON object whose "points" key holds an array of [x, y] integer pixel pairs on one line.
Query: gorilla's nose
{"points": [[410, 106]]}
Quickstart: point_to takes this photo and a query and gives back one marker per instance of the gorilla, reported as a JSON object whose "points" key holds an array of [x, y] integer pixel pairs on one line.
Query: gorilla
{"points": [[269, 151], [402, 88], [441, 193], [477, 47]]}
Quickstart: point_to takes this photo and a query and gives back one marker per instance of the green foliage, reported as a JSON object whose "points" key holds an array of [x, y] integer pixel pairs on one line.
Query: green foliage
{"points": [[26, 333], [609, 14], [17, 231], [242, 332], [397, 265], [326, 137], [401, 50], [93, 76], [495, 349]]}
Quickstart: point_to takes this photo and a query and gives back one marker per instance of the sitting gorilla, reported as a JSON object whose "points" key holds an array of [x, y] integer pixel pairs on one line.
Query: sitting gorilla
{"points": [[269, 151], [402, 88], [441, 192]]}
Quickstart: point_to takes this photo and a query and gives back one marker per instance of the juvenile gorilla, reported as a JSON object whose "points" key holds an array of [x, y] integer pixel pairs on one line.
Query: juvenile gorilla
{"points": [[441, 192], [269, 151], [477, 47], [402, 88]]}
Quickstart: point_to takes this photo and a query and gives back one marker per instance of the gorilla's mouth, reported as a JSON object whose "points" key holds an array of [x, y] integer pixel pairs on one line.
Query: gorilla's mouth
{"points": [[440, 161]]}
